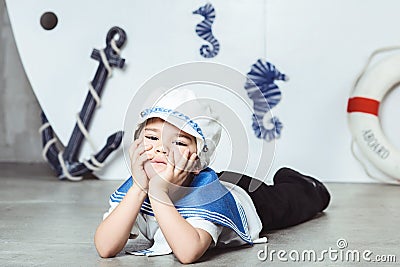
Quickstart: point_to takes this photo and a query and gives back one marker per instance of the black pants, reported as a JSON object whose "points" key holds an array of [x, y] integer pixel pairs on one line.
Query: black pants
{"points": [[294, 198]]}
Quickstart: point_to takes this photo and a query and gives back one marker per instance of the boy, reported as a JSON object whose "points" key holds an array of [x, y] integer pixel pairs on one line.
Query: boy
{"points": [[174, 199]]}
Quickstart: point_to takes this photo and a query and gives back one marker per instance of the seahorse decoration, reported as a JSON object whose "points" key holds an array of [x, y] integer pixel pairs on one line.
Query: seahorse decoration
{"points": [[204, 31], [265, 94]]}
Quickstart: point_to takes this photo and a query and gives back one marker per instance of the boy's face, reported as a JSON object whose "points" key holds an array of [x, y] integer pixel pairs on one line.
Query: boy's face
{"points": [[165, 138]]}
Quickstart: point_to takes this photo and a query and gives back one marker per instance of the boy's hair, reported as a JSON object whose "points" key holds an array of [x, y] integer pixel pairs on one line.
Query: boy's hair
{"points": [[190, 114]]}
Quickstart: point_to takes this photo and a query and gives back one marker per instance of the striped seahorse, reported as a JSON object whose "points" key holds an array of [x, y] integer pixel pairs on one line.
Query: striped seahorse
{"points": [[261, 88], [203, 30]]}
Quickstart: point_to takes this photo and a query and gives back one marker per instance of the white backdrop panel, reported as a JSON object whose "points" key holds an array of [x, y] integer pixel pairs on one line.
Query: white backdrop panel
{"points": [[160, 34], [322, 46]]}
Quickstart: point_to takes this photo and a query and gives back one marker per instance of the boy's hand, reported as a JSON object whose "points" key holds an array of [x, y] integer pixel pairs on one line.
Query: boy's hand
{"points": [[138, 156], [175, 173]]}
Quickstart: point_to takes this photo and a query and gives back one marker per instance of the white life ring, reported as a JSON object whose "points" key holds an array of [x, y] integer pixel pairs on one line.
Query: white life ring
{"points": [[363, 118]]}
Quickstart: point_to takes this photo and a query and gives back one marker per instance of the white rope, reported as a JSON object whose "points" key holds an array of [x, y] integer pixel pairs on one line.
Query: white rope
{"points": [[47, 146], [96, 162], [95, 166], [115, 47], [90, 166], [105, 63], [44, 126], [95, 95], [364, 69], [85, 132], [65, 170]]}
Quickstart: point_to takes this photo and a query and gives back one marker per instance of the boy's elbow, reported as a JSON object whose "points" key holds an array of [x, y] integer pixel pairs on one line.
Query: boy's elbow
{"points": [[105, 253], [190, 254], [104, 247], [187, 258]]}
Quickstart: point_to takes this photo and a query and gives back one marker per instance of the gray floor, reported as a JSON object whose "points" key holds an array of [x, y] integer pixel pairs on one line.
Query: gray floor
{"points": [[47, 222]]}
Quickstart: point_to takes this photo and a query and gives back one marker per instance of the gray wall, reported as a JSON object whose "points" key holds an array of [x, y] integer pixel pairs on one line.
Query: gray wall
{"points": [[19, 109]]}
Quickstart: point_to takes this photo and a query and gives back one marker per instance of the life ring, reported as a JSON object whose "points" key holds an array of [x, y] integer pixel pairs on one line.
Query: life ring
{"points": [[363, 115]]}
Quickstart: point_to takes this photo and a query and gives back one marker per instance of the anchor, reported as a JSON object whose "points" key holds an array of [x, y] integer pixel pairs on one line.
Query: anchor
{"points": [[65, 162]]}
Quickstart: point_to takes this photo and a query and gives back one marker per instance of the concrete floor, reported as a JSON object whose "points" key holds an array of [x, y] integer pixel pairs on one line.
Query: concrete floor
{"points": [[47, 222]]}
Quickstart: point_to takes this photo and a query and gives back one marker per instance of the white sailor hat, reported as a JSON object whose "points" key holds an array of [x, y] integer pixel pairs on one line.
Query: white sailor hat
{"points": [[190, 114]]}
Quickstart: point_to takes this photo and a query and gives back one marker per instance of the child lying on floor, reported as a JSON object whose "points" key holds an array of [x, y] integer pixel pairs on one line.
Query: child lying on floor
{"points": [[174, 199]]}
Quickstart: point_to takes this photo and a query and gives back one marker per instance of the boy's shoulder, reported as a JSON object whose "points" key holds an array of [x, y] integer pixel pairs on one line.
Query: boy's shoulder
{"points": [[119, 194]]}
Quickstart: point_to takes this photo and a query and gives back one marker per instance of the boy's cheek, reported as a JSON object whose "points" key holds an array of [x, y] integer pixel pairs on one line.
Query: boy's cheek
{"points": [[150, 154], [146, 141], [178, 154]]}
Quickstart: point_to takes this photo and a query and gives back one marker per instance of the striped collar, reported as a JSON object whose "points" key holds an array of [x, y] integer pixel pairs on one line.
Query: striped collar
{"points": [[209, 200]]}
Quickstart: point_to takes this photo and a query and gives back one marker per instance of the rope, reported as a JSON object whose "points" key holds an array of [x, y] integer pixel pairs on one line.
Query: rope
{"points": [[60, 157], [65, 170], [85, 132], [94, 95], [105, 63], [90, 166], [47, 146], [96, 165], [364, 69], [115, 47], [43, 127], [49, 142]]}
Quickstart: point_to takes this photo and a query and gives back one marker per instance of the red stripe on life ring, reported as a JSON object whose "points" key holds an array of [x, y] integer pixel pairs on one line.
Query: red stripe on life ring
{"points": [[364, 105]]}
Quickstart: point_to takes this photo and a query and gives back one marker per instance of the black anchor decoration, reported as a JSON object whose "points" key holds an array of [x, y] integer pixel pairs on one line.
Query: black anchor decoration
{"points": [[65, 163]]}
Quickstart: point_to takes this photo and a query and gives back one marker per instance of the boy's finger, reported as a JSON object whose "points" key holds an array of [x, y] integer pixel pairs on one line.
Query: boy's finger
{"points": [[148, 147], [170, 164], [193, 157], [137, 142], [134, 145], [170, 159], [191, 162], [183, 160], [138, 151], [143, 158]]}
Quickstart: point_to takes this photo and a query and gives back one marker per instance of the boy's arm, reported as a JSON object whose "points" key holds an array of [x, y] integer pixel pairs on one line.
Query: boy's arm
{"points": [[187, 243], [113, 233]]}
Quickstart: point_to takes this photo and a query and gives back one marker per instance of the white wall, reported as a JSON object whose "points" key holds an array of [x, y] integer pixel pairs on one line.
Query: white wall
{"points": [[19, 109]]}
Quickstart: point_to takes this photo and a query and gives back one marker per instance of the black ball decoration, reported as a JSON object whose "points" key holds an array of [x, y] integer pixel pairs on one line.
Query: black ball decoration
{"points": [[48, 20]]}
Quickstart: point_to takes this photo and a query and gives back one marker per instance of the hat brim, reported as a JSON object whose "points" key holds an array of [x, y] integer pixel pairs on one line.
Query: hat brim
{"points": [[175, 121]]}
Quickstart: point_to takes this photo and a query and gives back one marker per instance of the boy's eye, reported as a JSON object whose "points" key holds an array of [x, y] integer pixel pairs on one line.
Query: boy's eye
{"points": [[179, 143], [151, 137]]}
